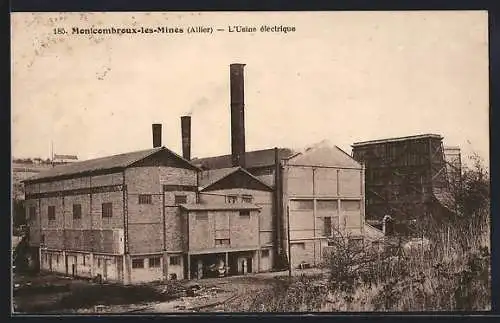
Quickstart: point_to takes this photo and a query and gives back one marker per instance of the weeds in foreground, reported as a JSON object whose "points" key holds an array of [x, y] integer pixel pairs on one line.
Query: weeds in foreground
{"points": [[453, 275]]}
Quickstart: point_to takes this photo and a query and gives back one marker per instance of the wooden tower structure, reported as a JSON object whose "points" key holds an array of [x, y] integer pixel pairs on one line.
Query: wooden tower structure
{"points": [[406, 178]]}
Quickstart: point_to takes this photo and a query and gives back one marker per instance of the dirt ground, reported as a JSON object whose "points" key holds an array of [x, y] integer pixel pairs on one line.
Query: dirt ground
{"points": [[56, 294]]}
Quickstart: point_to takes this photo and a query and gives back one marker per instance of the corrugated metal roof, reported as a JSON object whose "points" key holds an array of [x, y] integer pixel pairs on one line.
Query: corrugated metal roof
{"points": [[99, 164], [220, 206], [212, 176], [381, 141], [324, 154], [373, 233], [253, 159], [209, 177]]}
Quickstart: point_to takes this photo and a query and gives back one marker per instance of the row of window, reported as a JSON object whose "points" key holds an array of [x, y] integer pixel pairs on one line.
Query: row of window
{"points": [[107, 211], [352, 243], [204, 215], [148, 199], [182, 199], [231, 199], [324, 205], [107, 208], [154, 262]]}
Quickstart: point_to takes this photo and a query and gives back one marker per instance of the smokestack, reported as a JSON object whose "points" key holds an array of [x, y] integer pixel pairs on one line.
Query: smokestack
{"points": [[237, 114], [186, 137], [156, 135]]}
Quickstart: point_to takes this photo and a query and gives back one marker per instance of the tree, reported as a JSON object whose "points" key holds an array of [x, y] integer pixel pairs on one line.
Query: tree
{"points": [[472, 197]]}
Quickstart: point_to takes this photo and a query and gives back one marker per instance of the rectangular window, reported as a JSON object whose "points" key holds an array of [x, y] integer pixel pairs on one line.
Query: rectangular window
{"points": [[138, 263], [264, 253], [247, 198], [32, 213], [84, 259], [301, 205], [99, 262], [202, 216], [347, 205], [231, 199], [107, 210], [328, 227], [57, 259], [175, 260], [327, 205], [77, 211], [222, 242], [300, 245], [154, 262], [245, 213], [180, 199], [145, 199], [51, 212]]}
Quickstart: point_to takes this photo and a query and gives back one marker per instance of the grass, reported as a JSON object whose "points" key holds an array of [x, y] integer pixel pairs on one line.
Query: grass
{"points": [[410, 283], [453, 276]]}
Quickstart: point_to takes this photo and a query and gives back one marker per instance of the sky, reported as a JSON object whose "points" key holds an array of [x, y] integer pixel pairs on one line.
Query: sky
{"points": [[340, 76]]}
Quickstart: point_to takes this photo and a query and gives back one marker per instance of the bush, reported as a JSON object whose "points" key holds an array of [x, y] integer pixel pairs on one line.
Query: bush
{"points": [[300, 294], [455, 275]]}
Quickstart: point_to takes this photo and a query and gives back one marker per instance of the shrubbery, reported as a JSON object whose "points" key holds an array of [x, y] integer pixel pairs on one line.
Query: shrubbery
{"points": [[455, 275]]}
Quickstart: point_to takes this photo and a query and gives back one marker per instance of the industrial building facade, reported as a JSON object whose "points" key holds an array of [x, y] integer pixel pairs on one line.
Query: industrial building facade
{"points": [[155, 215], [318, 193], [407, 178]]}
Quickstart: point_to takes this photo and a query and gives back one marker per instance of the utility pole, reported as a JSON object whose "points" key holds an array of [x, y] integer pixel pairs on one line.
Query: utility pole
{"points": [[289, 245]]}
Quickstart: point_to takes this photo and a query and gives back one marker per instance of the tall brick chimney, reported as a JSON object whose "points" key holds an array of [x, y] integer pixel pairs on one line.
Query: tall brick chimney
{"points": [[156, 135], [186, 137], [237, 114]]}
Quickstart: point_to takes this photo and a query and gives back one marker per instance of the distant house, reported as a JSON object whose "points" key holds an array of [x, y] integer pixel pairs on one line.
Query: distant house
{"points": [[64, 159]]}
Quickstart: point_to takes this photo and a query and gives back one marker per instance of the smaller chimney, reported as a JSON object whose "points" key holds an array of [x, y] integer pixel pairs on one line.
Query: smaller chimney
{"points": [[186, 137], [156, 135]]}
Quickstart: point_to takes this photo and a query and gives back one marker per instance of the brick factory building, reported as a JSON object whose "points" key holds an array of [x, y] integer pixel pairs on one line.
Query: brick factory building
{"points": [[316, 193], [319, 193], [155, 215]]}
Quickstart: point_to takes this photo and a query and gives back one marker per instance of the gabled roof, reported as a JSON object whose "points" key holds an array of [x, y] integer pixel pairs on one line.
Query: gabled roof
{"points": [[212, 176], [324, 154], [117, 162], [220, 206], [253, 159], [209, 177]]}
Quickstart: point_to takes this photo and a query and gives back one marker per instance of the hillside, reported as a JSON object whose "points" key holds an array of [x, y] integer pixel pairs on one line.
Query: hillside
{"points": [[22, 171]]}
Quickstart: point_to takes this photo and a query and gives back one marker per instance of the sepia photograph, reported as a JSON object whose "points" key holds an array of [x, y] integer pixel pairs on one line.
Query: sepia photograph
{"points": [[250, 162]]}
